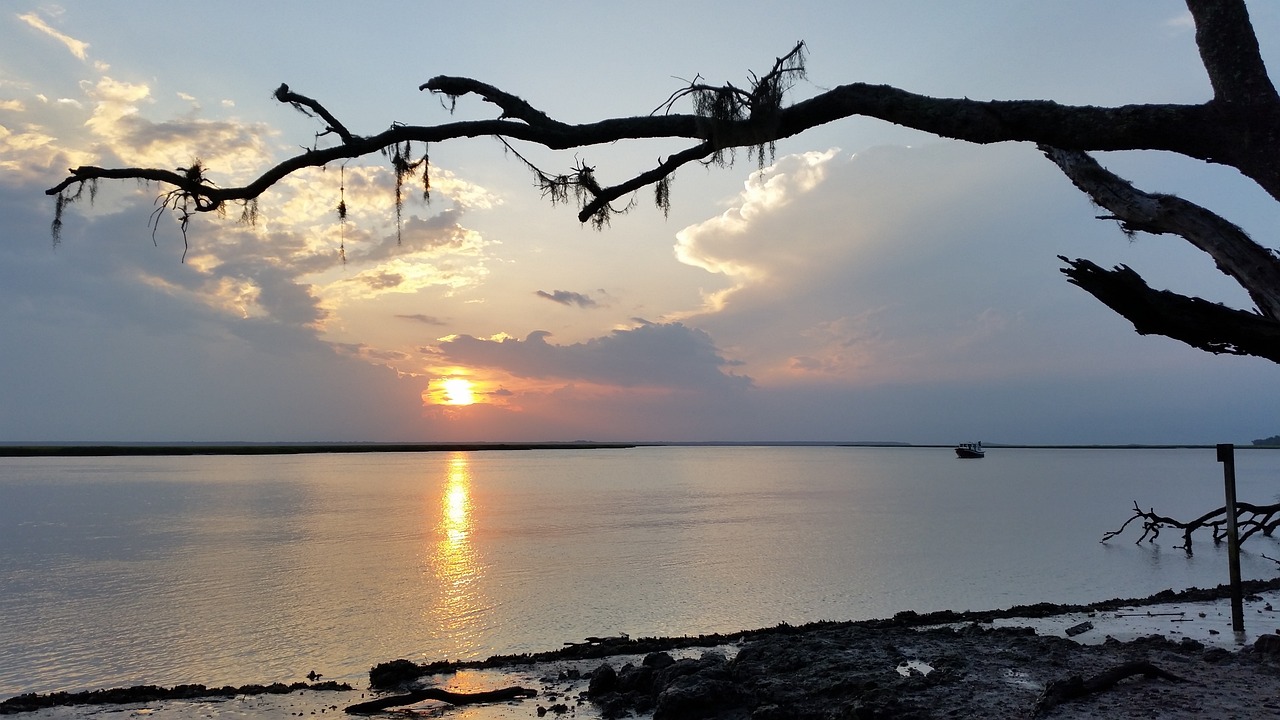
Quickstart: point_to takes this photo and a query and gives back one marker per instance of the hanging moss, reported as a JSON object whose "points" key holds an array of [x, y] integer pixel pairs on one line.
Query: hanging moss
{"points": [[662, 195]]}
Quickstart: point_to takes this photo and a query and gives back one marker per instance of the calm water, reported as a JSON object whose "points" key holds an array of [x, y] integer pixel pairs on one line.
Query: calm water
{"points": [[120, 571]]}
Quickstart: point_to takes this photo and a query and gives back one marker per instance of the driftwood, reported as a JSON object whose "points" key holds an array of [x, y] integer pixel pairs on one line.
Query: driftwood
{"points": [[1250, 520], [453, 698], [1076, 687]]}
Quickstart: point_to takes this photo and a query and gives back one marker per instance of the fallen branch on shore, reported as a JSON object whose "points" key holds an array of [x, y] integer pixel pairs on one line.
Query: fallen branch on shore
{"points": [[1076, 687], [1250, 520], [453, 698]]}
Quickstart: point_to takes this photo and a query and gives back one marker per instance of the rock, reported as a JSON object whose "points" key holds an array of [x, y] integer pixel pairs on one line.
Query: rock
{"points": [[696, 696], [1216, 655], [1268, 644], [393, 674], [635, 679], [658, 660], [603, 680]]}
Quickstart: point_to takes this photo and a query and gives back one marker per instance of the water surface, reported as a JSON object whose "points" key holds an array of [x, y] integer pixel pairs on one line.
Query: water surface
{"points": [[243, 569]]}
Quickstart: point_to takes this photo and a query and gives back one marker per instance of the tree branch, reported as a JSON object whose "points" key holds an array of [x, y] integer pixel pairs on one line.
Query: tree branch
{"points": [[664, 169], [512, 106], [1199, 323], [1167, 127], [1250, 520], [301, 102], [1254, 267], [1229, 51]]}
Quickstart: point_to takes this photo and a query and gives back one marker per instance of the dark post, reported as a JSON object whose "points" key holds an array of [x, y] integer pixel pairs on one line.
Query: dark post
{"points": [[1227, 456]]}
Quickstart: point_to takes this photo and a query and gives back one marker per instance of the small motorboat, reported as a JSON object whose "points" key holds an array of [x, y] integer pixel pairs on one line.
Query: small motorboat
{"points": [[970, 450]]}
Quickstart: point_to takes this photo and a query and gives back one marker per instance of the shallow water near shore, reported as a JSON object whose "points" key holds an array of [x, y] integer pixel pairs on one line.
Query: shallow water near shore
{"points": [[211, 569]]}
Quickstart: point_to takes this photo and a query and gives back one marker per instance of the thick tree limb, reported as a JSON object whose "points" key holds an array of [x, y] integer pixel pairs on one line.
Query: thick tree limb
{"points": [[1076, 687], [1178, 128], [1199, 323], [1254, 267], [1229, 51]]}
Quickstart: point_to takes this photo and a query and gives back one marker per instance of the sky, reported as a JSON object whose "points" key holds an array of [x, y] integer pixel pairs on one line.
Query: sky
{"points": [[870, 283]]}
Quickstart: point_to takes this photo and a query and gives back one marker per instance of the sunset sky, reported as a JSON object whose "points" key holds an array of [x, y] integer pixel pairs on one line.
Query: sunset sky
{"points": [[871, 284]]}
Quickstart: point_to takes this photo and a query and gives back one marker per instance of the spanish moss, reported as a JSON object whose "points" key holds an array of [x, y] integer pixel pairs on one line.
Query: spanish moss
{"points": [[662, 196]]}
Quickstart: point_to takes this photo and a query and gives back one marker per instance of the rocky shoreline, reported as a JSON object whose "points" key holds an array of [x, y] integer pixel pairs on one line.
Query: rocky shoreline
{"points": [[913, 665], [30, 702], [854, 671]]}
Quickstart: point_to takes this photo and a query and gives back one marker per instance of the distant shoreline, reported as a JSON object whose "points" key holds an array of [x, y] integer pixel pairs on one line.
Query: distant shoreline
{"points": [[304, 448], [144, 449]]}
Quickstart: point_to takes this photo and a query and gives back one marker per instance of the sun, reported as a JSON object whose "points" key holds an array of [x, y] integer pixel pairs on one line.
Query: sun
{"points": [[457, 391]]}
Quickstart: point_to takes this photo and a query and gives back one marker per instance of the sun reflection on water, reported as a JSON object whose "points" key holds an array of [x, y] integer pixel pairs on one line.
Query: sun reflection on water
{"points": [[456, 603]]}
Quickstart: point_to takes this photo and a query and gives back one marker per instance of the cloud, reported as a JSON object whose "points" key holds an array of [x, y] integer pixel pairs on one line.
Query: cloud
{"points": [[566, 297], [424, 319], [76, 47], [105, 340], [668, 355], [232, 150], [380, 280], [899, 265], [712, 244], [285, 268]]}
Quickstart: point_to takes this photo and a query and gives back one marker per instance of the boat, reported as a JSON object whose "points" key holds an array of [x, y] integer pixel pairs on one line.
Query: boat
{"points": [[970, 450]]}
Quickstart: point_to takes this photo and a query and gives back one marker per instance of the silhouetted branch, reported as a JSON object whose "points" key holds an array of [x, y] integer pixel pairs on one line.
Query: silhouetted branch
{"points": [[1254, 267], [1199, 323], [1250, 520], [301, 102], [1229, 51]]}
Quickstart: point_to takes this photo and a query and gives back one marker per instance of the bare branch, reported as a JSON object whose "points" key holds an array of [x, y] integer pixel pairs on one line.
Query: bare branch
{"points": [[1254, 267], [1199, 323], [512, 106], [1250, 520], [301, 102], [663, 170]]}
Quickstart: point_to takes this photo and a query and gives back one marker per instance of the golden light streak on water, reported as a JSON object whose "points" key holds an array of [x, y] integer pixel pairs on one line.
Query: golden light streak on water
{"points": [[458, 607]]}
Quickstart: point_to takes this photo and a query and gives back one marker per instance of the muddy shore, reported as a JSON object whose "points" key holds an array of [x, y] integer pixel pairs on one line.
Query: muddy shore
{"points": [[936, 665]]}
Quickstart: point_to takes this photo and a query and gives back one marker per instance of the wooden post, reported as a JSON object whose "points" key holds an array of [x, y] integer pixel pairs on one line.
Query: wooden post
{"points": [[1227, 456]]}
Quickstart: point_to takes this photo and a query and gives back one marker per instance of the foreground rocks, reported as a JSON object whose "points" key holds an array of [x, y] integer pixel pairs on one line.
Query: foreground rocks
{"points": [[853, 671]]}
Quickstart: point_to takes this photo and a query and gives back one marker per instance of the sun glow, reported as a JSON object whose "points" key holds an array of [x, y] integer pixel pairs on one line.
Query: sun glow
{"points": [[458, 391]]}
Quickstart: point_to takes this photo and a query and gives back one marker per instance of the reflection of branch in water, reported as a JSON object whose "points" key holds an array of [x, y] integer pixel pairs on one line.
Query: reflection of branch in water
{"points": [[1250, 519]]}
